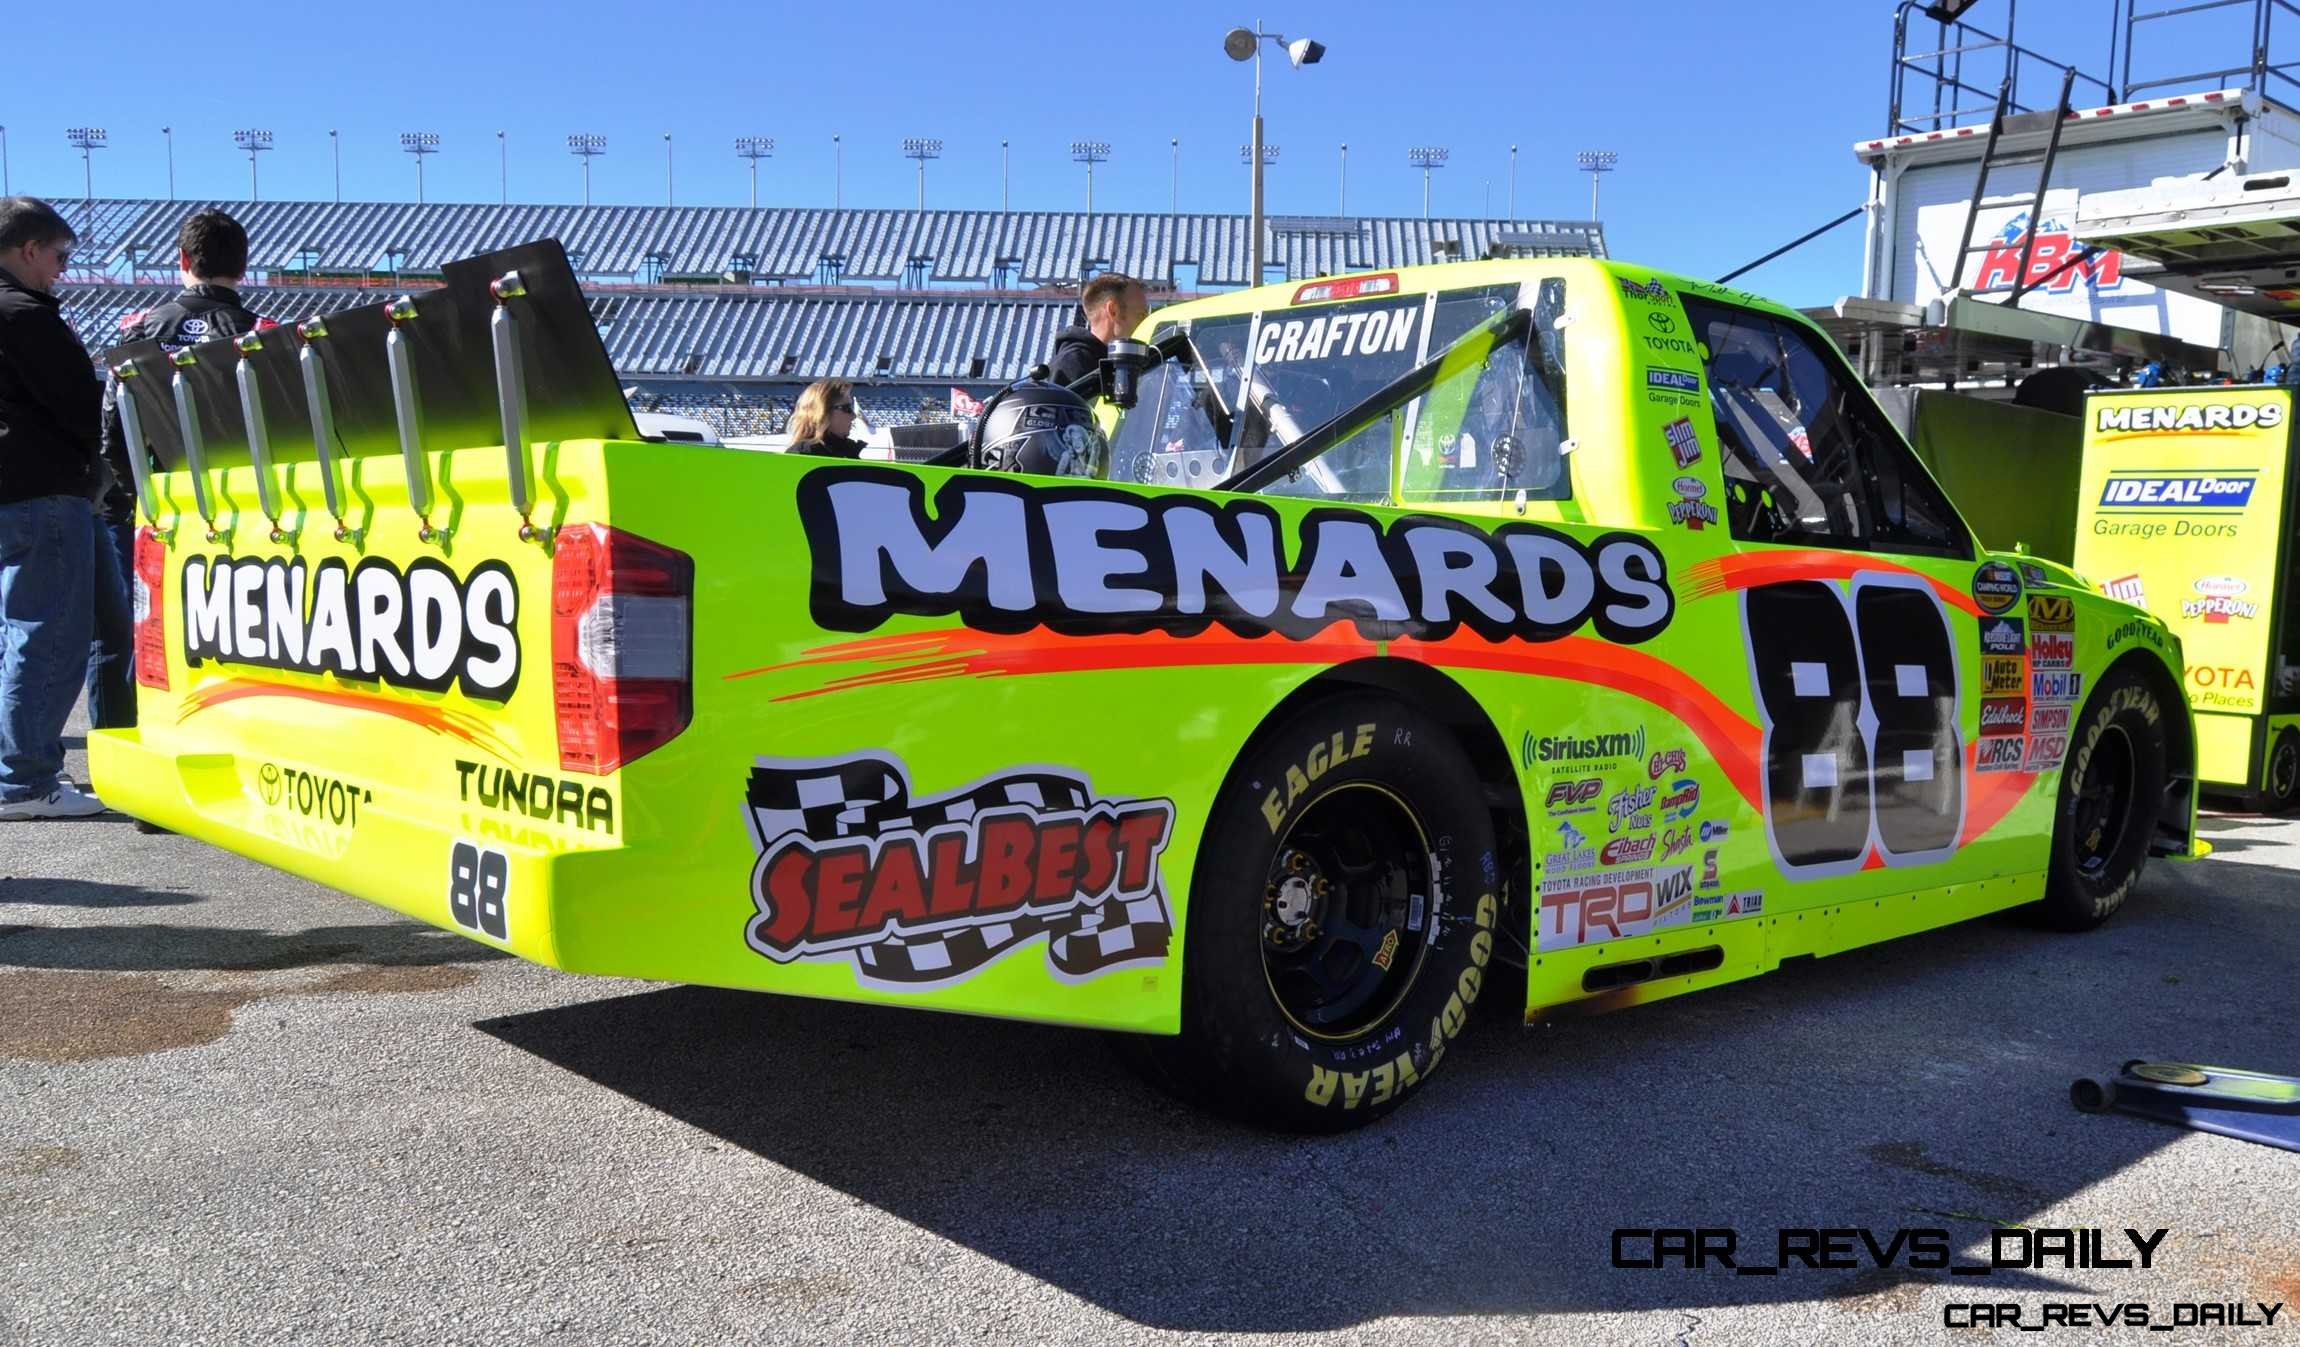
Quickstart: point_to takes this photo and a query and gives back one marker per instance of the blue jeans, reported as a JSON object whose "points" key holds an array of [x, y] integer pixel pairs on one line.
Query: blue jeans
{"points": [[48, 569], [112, 658]]}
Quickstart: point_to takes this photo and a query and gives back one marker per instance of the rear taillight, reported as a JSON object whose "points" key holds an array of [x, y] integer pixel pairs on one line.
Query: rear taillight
{"points": [[151, 601], [622, 642]]}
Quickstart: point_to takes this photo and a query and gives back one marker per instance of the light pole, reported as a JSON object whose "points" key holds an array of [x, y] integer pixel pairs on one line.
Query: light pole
{"points": [[503, 168], [586, 147], [255, 143], [1002, 165], [1245, 44], [1427, 158], [419, 144], [755, 148], [1595, 163], [87, 140], [921, 148], [4, 161], [1089, 153], [670, 197], [335, 152], [838, 174], [1174, 179], [1342, 203], [170, 133]]}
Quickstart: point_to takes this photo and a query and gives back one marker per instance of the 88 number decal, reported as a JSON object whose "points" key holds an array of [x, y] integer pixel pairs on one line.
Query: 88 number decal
{"points": [[479, 889], [1858, 695]]}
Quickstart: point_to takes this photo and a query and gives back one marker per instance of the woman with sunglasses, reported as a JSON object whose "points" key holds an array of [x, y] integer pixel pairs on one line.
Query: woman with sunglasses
{"points": [[826, 412]]}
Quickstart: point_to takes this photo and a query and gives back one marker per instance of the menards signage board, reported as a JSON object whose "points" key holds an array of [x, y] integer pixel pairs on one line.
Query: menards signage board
{"points": [[2182, 512]]}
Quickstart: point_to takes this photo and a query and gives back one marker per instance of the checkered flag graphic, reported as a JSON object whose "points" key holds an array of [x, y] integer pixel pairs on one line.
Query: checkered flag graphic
{"points": [[870, 797]]}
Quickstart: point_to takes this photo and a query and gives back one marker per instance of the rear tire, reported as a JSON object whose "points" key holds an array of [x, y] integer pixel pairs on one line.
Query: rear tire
{"points": [[2110, 793], [2279, 791], [1340, 921]]}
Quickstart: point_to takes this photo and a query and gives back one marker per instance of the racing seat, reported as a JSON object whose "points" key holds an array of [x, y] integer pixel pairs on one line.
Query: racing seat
{"points": [[1755, 433]]}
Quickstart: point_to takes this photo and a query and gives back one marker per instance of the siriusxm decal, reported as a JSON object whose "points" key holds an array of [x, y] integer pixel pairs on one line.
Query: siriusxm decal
{"points": [[2177, 492]]}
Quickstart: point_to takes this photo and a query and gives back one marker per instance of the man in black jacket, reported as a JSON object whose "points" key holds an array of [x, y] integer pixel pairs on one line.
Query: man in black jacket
{"points": [[1114, 306], [212, 256], [50, 408]]}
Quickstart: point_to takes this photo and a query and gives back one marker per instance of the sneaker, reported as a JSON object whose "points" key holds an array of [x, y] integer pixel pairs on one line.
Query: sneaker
{"points": [[62, 802]]}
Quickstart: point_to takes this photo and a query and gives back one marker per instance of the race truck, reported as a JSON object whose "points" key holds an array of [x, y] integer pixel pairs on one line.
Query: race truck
{"points": [[1409, 634]]}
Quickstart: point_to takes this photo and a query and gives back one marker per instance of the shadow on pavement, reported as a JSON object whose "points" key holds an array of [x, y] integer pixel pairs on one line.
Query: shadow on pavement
{"points": [[89, 893], [155, 948], [1921, 1083]]}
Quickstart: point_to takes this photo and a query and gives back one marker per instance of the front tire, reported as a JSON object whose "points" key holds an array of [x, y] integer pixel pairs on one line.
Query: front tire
{"points": [[2279, 791], [1340, 921], [2111, 791]]}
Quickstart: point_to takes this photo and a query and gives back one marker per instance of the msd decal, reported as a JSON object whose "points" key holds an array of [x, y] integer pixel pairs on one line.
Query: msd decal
{"points": [[926, 892], [1004, 556], [2096, 269]]}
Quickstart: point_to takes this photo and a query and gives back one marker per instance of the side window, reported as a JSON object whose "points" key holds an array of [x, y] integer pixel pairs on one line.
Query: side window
{"points": [[1490, 433], [1808, 458]]}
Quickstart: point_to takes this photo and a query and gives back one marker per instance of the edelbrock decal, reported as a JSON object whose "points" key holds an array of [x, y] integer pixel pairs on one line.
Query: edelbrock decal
{"points": [[925, 891], [421, 628], [1082, 560]]}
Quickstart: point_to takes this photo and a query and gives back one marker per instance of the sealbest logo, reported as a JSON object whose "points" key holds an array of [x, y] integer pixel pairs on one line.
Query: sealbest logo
{"points": [[2124, 416], [1006, 556], [424, 627]]}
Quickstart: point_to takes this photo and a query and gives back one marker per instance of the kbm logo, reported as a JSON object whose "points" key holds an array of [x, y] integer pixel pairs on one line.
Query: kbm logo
{"points": [[2097, 268], [2185, 493]]}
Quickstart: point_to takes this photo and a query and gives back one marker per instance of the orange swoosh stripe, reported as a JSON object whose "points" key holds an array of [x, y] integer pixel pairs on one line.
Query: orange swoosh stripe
{"points": [[1745, 570], [460, 725]]}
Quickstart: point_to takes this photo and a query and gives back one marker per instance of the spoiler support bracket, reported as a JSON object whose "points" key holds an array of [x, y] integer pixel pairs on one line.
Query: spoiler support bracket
{"points": [[408, 410], [139, 448], [511, 396], [259, 433], [322, 418], [195, 449]]}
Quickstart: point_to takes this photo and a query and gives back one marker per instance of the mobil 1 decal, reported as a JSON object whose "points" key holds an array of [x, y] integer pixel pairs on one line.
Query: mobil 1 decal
{"points": [[1857, 691], [1008, 556]]}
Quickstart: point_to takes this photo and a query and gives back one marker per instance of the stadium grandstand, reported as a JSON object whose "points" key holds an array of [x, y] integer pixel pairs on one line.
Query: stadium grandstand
{"points": [[725, 313]]}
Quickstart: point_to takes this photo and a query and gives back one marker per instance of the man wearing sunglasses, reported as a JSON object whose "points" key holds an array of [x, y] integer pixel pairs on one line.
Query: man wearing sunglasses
{"points": [[51, 407]]}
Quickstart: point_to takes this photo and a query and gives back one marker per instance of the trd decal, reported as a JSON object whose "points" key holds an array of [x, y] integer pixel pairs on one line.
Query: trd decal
{"points": [[925, 892], [1858, 697], [1084, 560]]}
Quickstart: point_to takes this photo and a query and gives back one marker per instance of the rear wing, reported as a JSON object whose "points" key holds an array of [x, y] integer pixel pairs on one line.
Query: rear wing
{"points": [[504, 353]]}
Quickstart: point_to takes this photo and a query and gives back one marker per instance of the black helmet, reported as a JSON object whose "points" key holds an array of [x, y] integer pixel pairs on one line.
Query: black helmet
{"points": [[1040, 427]]}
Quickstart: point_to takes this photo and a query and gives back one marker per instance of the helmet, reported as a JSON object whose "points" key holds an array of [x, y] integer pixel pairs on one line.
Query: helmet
{"points": [[1040, 427]]}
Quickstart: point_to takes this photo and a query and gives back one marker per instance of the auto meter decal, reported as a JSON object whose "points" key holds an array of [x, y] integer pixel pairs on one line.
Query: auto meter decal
{"points": [[921, 892], [1006, 556], [1996, 587], [424, 627]]}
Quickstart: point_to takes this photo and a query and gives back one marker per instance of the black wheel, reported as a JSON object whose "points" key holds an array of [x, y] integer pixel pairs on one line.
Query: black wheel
{"points": [[2279, 791], [2110, 792], [1340, 922]]}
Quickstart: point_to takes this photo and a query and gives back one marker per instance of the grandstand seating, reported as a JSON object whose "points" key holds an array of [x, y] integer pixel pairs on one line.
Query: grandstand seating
{"points": [[789, 244]]}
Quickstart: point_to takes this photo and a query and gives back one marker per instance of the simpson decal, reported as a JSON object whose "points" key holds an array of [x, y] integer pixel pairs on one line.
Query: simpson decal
{"points": [[422, 628], [1006, 557], [925, 892]]}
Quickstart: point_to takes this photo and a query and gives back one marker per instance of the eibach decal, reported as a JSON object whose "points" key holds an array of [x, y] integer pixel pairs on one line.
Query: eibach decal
{"points": [[926, 892]]}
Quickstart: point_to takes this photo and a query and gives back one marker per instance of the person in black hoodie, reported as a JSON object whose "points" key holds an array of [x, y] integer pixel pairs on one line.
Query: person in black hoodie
{"points": [[1114, 306], [819, 424], [212, 256], [50, 407]]}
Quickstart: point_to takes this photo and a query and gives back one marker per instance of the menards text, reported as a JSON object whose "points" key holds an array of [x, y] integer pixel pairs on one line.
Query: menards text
{"points": [[421, 628]]}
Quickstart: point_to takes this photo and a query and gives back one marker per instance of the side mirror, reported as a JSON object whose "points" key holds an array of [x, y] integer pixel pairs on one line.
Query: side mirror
{"points": [[1122, 368]]}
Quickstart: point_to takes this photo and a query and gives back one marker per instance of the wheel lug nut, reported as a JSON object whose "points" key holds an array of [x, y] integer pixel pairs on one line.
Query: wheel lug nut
{"points": [[1297, 862]]}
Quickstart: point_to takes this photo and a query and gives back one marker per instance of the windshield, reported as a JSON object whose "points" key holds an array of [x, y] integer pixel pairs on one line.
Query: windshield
{"points": [[1244, 386]]}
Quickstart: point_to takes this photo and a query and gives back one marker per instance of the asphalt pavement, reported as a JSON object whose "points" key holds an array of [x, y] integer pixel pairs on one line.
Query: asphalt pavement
{"points": [[238, 1108]]}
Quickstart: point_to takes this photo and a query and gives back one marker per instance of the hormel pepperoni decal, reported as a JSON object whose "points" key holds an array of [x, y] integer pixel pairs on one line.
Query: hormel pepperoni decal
{"points": [[927, 892]]}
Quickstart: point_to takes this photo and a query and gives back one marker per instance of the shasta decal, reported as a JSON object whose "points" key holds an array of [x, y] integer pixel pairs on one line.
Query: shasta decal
{"points": [[419, 628], [1081, 560], [928, 891]]}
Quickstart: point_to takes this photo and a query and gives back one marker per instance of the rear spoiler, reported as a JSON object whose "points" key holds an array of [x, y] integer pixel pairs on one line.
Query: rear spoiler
{"points": [[504, 352]]}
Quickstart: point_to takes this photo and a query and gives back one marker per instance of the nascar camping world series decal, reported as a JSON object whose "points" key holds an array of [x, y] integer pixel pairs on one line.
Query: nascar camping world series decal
{"points": [[923, 892]]}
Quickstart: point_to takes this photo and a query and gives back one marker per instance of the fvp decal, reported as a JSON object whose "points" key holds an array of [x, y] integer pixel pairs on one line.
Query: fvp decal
{"points": [[1857, 692], [1082, 560], [925, 892]]}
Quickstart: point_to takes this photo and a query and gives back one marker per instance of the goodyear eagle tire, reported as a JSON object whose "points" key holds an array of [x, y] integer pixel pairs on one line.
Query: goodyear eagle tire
{"points": [[2279, 791], [1341, 920], [2110, 793]]}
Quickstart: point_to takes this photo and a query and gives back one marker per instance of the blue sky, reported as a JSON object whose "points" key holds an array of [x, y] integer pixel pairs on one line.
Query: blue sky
{"points": [[1734, 121]]}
